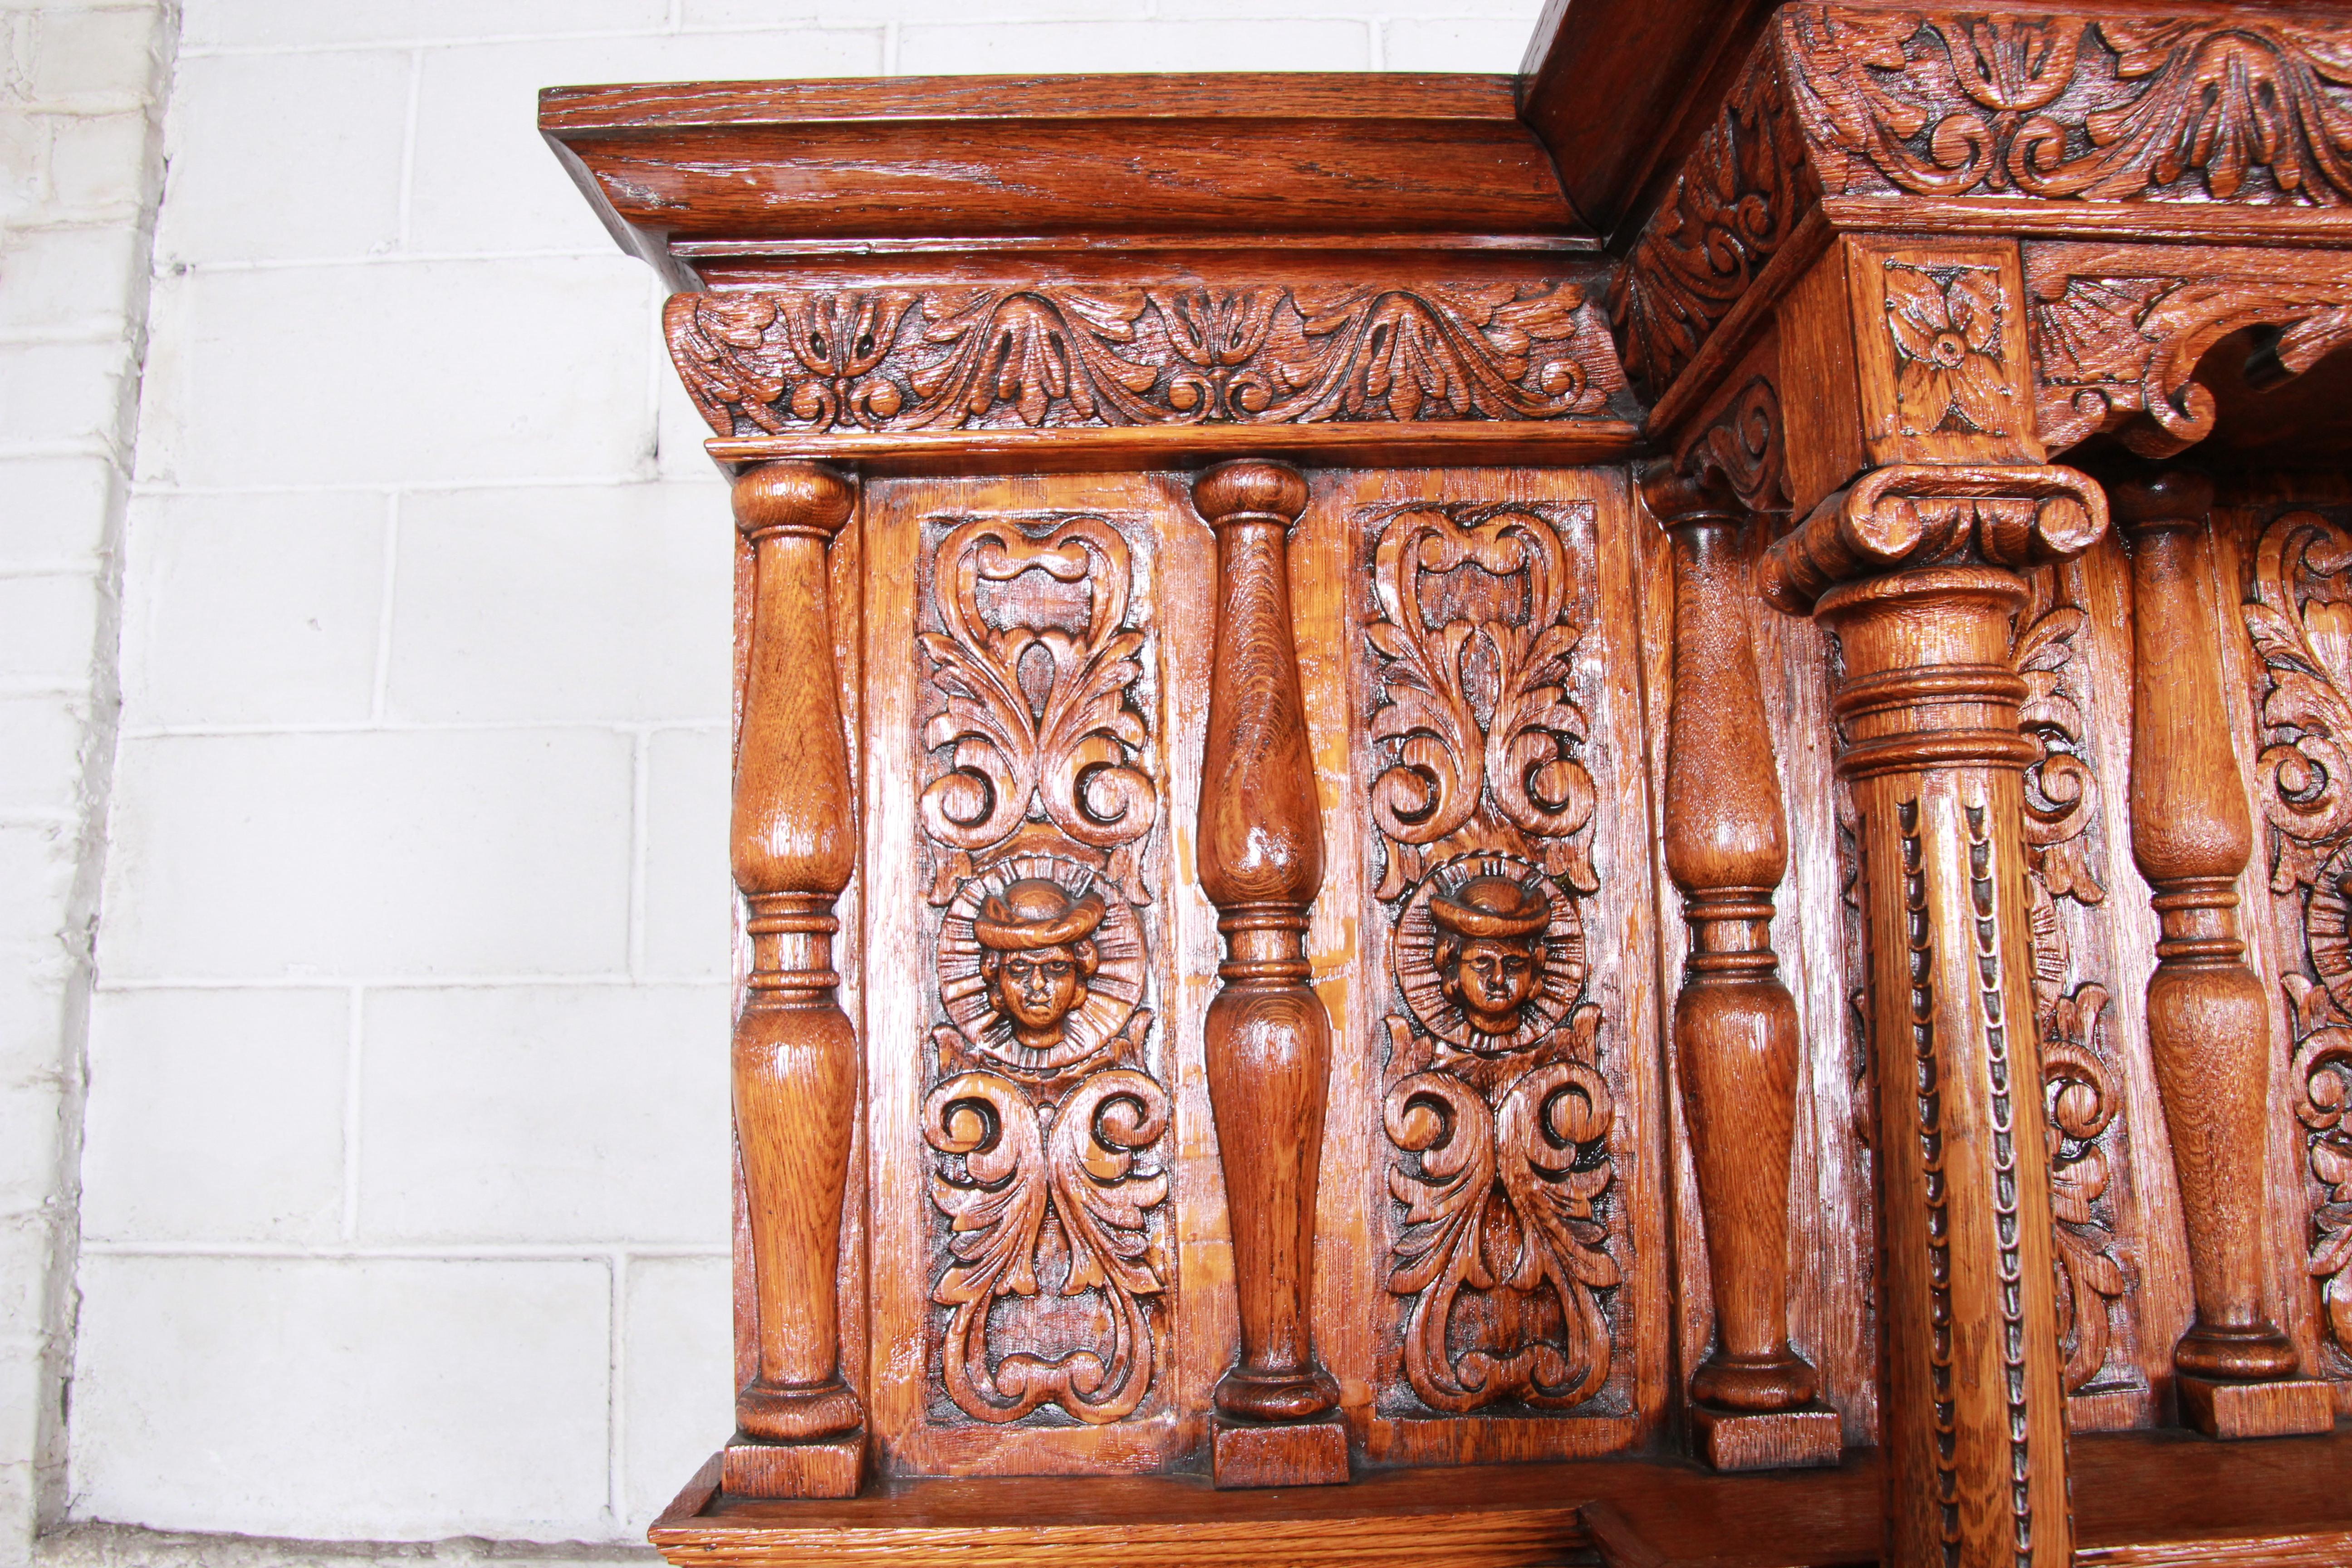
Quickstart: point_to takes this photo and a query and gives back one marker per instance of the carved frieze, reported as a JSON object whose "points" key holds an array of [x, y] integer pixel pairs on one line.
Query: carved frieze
{"points": [[1053, 356], [1504, 1247], [2299, 613], [1734, 205], [2194, 108], [1046, 1110]]}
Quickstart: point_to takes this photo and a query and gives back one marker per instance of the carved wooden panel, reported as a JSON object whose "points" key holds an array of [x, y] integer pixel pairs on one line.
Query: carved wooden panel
{"points": [[1029, 1278], [2287, 559], [1506, 989]]}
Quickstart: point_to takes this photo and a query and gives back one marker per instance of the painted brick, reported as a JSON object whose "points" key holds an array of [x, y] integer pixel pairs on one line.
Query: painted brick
{"points": [[956, 51], [431, 371], [251, 608], [215, 1116], [588, 1113], [61, 395], [563, 603], [57, 508], [32, 1148], [755, 14], [372, 1398], [91, 53], [688, 889], [278, 157], [1455, 44], [98, 161], [49, 627], [33, 1012], [69, 279], [23, 166], [484, 179], [424, 854], [679, 433], [40, 753], [1521, 13], [37, 868], [678, 1383], [284, 24]]}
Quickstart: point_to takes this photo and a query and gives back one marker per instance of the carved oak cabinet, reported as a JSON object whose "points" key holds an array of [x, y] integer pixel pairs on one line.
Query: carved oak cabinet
{"points": [[1604, 817]]}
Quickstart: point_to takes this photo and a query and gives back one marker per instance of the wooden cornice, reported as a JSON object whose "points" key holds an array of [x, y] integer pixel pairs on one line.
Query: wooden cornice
{"points": [[986, 164]]}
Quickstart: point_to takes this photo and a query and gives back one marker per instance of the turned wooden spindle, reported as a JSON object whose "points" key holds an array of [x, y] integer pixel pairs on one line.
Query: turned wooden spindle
{"points": [[1734, 1022], [795, 1057], [2208, 1018], [1911, 568], [1267, 1039]]}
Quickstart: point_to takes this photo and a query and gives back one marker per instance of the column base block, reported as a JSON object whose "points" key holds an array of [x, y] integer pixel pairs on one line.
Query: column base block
{"points": [[1278, 1454], [1766, 1440], [822, 1468], [2288, 1406]]}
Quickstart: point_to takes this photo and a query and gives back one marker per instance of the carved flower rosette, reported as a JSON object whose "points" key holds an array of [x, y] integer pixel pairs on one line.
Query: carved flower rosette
{"points": [[2299, 615], [1496, 1105], [1047, 1115]]}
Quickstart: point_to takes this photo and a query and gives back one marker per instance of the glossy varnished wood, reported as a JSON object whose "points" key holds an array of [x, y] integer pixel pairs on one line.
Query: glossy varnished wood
{"points": [[1266, 1036], [2141, 1501], [796, 1063], [2192, 835], [1735, 1026]]}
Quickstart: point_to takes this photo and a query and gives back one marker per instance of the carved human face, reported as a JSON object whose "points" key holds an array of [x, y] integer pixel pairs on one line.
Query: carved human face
{"points": [[1037, 988], [1491, 978]]}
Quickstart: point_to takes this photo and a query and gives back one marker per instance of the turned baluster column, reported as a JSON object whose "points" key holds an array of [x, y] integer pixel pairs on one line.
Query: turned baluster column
{"points": [[1734, 1022], [1267, 1040], [1911, 568], [795, 1055], [2208, 1018]]}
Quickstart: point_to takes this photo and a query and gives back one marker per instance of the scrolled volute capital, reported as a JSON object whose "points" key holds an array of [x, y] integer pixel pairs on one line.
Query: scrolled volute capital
{"points": [[1687, 492], [1912, 515]]}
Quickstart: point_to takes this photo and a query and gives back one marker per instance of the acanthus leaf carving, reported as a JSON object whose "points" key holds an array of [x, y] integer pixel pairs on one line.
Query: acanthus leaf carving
{"points": [[844, 361], [2299, 618], [2105, 109]]}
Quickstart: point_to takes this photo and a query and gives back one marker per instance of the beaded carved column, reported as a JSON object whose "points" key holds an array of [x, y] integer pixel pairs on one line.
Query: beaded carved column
{"points": [[1752, 1401], [1913, 569], [2207, 1016], [1267, 1039], [1917, 406], [795, 1057]]}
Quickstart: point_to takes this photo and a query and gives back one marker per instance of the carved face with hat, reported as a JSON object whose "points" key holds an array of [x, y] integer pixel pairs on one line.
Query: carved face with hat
{"points": [[1037, 955], [1489, 952]]}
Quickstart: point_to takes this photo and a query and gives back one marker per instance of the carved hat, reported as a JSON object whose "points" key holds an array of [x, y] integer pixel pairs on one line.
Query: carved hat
{"points": [[1034, 912], [1492, 907]]}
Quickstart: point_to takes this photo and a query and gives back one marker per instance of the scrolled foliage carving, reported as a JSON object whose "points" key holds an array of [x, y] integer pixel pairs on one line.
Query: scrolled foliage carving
{"points": [[2243, 109], [1496, 1105], [2299, 616], [831, 362]]}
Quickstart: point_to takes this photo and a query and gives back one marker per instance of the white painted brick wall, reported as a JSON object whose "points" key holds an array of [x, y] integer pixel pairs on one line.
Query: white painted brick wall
{"points": [[79, 171], [402, 1200]]}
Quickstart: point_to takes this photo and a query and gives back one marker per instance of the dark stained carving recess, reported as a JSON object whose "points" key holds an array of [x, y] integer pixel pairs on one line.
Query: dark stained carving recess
{"points": [[820, 361], [1047, 1112], [1496, 1105]]}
